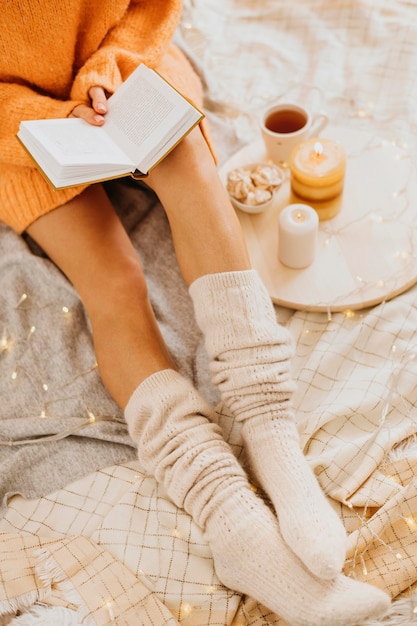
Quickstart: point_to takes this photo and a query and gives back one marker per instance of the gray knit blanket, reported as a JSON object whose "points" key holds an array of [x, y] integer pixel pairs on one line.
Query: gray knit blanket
{"points": [[57, 421]]}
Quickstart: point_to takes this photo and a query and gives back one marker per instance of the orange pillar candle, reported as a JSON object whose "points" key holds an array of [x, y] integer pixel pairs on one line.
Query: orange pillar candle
{"points": [[318, 168]]}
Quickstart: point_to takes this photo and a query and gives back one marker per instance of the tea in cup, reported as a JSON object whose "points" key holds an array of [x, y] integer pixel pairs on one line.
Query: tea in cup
{"points": [[285, 124]]}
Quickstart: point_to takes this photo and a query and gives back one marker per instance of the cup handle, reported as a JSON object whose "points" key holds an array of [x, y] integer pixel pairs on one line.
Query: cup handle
{"points": [[320, 121]]}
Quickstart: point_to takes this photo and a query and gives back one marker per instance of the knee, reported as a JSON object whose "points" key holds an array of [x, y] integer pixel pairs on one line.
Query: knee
{"points": [[126, 277], [191, 159]]}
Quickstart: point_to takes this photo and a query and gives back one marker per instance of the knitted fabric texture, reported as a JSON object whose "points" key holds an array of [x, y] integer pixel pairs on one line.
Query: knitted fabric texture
{"points": [[51, 53], [250, 362]]}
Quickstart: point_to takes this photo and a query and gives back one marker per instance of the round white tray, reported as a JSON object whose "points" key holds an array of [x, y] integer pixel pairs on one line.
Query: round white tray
{"points": [[367, 253]]}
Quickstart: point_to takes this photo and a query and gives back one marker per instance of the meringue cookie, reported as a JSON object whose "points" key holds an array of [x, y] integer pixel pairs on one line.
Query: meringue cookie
{"points": [[267, 175], [254, 184]]}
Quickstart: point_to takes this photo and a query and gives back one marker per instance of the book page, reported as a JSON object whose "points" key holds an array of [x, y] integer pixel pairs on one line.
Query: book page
{"points": [[139, 115], [75, 142], [71, 141], [145, 112]]}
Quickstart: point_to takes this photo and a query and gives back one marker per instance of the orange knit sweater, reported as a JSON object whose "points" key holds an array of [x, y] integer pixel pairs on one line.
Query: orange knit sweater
{"points": [[51, 53]]}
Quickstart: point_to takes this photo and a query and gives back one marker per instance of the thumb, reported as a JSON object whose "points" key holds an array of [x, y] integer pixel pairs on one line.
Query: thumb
{"points": [[88, 115], [98, 99]]}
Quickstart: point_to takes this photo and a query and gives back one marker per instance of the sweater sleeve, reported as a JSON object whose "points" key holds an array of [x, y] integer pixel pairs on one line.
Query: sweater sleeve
{"points": [[18, 102], [142, 36]]}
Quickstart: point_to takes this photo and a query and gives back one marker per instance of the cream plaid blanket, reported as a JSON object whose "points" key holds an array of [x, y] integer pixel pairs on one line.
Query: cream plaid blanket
{"points": [[112, 547]]}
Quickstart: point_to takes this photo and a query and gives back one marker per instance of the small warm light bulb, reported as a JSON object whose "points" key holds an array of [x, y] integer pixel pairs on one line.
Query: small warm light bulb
{"points": [[45, 387], [109, 607], [65, 309], [394, 479], [14, 375], [91, 417], [376, 218], [4, 344], [411, 522], [399, 556], [23, 297], [366, 110], [43, 414], [186, 608], [348, 313]]}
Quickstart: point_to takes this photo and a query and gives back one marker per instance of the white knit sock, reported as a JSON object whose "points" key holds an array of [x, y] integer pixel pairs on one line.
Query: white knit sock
{"points": [[179, 445], [250, 362], [251, 556], [186, 452]]}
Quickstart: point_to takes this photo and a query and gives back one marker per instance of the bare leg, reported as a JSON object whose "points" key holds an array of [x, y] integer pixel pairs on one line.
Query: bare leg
{"points": [[100, 261], [205, 229]]}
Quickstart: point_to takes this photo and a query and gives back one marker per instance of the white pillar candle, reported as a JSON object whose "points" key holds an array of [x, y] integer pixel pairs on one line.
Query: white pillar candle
{"points": [[297, 235]]}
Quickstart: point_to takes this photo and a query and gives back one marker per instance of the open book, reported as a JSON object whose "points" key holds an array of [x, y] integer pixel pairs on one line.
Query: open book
{"points": [[146, 118]]}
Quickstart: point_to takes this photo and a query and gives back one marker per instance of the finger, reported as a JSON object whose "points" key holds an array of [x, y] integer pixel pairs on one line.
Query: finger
{"points": [[98, 99], [88, 114]]}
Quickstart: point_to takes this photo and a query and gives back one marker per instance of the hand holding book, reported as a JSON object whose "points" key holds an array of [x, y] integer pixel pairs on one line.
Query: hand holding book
{"points": [[146, 118], [93, 113]]}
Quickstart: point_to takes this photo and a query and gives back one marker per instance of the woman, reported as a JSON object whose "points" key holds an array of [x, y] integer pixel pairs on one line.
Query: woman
{"points": [[63, 59]]}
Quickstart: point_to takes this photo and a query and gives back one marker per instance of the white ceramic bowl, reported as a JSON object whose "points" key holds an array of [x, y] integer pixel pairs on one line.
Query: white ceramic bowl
{"points": [[263, 206], [252, 208]]}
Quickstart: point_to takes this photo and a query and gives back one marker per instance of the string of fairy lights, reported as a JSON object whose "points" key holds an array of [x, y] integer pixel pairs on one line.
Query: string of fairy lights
{"points": [[15, 343], [409, 521], [397, 209]]}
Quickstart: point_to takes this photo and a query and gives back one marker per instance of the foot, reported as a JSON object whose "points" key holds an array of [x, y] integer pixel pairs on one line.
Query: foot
{"points": [[307, 521], [251, 557]]}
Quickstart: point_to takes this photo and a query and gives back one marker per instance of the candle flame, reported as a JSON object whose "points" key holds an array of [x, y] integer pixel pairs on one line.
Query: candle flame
{"points": [[318, 148], [299, 216]]}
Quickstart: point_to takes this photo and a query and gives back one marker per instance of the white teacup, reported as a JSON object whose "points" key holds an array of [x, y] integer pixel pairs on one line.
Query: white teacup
{"points": [[285, 124]]}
